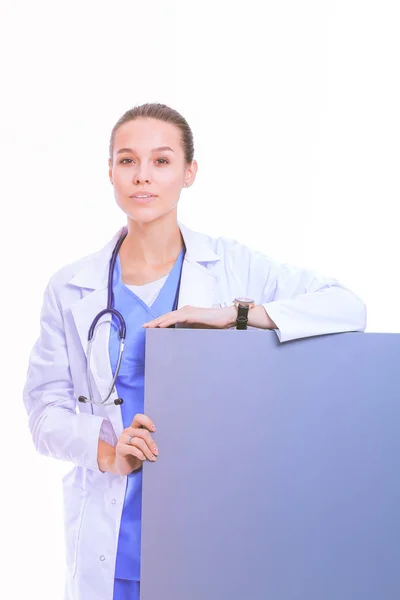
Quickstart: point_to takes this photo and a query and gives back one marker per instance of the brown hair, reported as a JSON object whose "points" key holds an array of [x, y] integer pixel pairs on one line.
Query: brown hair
{"points": [[162, 112]]}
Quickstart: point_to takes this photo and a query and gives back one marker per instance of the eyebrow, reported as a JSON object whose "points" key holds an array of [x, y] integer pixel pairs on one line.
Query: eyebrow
{"points": [[160, 149]]}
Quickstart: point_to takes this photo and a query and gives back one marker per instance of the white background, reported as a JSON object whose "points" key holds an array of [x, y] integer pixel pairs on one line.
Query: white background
{"points": [[295, 112]]}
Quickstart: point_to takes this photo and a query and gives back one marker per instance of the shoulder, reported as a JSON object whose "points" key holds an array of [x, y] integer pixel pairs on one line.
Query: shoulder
{"points": [[221, 245], [89, 264], [227, 249], [235, 263], [67, 272]]}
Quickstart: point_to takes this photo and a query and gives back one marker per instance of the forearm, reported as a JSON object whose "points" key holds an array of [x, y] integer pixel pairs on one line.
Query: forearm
{"points": [[331, 310], [258, 317]]}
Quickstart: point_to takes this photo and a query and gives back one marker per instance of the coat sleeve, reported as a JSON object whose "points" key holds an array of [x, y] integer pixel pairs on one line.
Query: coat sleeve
{"points": [[301, 302], [56, 427]]}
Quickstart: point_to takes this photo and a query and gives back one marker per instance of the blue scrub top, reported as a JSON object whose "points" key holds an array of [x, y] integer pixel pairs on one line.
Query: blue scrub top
{"points": [[130, 387]]}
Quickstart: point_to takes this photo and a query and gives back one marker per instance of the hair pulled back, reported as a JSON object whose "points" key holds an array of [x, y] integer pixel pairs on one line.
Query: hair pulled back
{"points": [[162, 112]]}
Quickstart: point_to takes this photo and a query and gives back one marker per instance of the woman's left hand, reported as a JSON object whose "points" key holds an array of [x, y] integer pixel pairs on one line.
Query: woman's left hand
{"points": [[207, 318]]}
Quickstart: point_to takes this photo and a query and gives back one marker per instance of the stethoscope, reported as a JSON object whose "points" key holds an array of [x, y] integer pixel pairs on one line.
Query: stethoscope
{"points": [[121, 331]]}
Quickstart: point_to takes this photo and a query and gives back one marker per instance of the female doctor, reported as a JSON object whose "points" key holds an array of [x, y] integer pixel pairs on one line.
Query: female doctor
{"points": [[162, 274]]}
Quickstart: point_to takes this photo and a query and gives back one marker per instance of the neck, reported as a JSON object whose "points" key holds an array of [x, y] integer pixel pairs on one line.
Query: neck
{"points": [[153, 244]]}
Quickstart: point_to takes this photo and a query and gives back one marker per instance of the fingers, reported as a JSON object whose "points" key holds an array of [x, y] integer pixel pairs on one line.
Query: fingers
{"points": [[144, 449], [136, 447], [143, 421], [133, 451], [144, 436], [171, 318], [136, 440]]}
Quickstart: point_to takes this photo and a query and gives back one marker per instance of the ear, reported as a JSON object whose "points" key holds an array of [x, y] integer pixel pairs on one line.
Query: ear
{"points": [[110, 171], [190, 174]]}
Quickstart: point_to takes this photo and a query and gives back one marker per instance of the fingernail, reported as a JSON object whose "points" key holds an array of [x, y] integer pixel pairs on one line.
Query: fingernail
{"points": [[153, 458], [155, 450], [153, 428]]}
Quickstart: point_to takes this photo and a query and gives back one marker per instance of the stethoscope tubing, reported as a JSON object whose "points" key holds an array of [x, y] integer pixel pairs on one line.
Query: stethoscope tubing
{"points": [[93, 328], [121, 329]]}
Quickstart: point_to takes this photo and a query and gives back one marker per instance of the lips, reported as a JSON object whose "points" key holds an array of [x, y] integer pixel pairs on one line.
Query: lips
{"points": [[142, 196]]}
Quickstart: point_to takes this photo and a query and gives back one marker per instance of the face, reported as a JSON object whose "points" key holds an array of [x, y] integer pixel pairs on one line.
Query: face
{"points": [[148, 169]]}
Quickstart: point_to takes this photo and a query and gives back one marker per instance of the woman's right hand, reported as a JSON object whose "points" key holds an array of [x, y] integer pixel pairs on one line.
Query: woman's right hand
{"points": [[130, 456]]}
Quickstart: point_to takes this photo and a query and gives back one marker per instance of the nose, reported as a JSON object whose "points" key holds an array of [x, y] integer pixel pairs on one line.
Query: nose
{"points": [[142, 175]]}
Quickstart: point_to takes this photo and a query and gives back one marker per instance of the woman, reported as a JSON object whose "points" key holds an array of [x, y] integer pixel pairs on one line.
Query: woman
{"points": [[164, 274]]}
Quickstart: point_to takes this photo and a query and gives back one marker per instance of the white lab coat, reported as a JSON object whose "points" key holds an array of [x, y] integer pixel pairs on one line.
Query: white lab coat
{"points": [[215, 271]]}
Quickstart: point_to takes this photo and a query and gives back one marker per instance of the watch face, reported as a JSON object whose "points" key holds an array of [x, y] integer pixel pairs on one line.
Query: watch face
{"points": [[244, 300]]}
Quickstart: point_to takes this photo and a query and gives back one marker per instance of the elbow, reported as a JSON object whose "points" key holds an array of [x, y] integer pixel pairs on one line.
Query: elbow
{"points": [[38, 413], [37, 426], [49, 429], [362, 316], [353, 309]]}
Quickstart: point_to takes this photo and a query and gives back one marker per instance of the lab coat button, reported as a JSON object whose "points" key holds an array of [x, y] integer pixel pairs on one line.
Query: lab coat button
{"points": [[102, 557], [113, 501]]}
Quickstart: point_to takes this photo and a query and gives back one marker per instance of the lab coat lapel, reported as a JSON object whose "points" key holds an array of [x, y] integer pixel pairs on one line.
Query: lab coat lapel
{"points": [[199, 283], [93, 280], [198, 286]]}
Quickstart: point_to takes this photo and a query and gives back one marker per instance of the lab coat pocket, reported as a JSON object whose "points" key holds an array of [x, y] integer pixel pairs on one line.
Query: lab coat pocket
{"points": [[74, 505]]}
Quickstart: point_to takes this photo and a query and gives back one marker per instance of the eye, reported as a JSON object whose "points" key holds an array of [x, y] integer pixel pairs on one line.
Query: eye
{"points": [[162, 161], [123, 161]]}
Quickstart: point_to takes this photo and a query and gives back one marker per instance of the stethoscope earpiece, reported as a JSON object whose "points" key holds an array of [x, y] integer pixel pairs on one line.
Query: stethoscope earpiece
{"points": [[117, 402]]}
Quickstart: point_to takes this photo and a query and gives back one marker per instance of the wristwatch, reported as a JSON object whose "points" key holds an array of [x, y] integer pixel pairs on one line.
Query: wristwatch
{"points": [[243, 305]]}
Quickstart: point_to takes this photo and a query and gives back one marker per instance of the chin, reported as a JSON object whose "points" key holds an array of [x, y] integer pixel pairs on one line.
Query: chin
{"points": [[147, 216]]}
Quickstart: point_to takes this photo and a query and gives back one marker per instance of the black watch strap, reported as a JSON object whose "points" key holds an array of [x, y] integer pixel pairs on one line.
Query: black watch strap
{"points": [[242, 317]]}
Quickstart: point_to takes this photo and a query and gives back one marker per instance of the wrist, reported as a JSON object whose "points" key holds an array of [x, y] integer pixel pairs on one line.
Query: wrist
{"points": [[106, 455], [231, 316]]}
